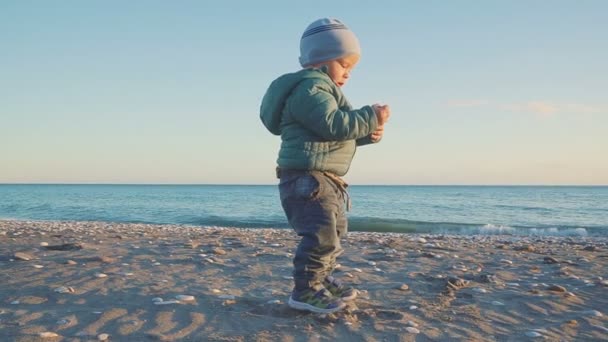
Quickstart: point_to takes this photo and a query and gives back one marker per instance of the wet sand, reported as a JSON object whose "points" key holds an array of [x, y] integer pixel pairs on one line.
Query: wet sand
{"points": [[91, 281]]}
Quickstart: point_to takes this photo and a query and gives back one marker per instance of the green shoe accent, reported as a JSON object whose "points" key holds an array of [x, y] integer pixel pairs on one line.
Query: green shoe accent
{"points": [[318, 301], [339, 290]]}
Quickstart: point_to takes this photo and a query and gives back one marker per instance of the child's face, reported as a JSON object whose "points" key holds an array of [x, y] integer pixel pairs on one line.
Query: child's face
{"points": [[339, 69]]}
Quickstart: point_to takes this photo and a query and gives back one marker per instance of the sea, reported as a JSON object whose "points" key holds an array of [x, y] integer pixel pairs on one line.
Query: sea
{"points": [[510, 210]]}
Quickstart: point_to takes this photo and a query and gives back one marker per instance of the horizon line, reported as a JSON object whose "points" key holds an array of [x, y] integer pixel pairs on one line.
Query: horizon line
{"points": [[274, 184]]}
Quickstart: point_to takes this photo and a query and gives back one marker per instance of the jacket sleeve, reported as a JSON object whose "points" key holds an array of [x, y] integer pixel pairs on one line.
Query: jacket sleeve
{"points": [[366, 141], [315, 107]]}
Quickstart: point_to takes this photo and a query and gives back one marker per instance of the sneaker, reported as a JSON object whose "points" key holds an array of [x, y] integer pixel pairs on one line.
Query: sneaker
{"points": [[338, 289], [320, 301]]}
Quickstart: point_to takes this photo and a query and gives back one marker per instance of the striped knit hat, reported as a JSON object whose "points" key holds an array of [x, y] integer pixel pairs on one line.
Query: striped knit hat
{"points": [[326, 39]]}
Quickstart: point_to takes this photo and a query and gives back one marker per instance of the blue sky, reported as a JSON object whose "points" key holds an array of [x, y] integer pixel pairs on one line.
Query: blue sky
{"points": [[510, 92]]}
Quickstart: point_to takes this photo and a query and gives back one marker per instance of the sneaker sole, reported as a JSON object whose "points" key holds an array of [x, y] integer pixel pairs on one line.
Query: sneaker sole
{"points": [[307, 307]]}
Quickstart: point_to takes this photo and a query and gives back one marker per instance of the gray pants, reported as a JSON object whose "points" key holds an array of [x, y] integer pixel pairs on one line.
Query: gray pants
{"points": [[315, 208]]}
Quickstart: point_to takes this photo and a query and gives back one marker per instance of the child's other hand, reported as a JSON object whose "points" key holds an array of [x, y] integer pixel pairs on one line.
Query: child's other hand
{"points": [[377, 134], [383, 112]]}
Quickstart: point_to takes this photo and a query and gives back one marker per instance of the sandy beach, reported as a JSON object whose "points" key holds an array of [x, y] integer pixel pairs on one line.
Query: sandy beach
{"points": [[91, 281]]}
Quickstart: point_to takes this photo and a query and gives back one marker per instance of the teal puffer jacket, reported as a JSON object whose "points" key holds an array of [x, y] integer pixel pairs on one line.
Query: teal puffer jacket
{"points": [[319, 129]]}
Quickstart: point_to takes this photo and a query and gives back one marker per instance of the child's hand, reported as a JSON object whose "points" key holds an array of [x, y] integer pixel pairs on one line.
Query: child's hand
{"points": [[383, 112], [377, 134]]}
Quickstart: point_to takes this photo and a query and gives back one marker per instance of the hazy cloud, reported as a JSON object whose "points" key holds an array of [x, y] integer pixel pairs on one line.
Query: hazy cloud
{"points": [[543, 109]]}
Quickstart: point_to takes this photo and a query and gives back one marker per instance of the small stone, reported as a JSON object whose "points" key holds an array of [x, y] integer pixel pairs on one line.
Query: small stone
{"points": [[105, 259], [533, 334], [100, 275], [358, 270], [273, 302], [288, 277], [506, 261], [167, 302], [38, 266], [23, 256], [413, 307], [219, 251], [157, 299], [601, 327], [103, 337], [556, 288], [348, 275], [229, 302], [15, 302], [569, 294], [62, 322], [275, 245], [404, 287], [412, 330], [48, 334], [524, 248], [594, 313], [420, 240], [487, 278], [412, 323], [371, 263], [216, 291], [377, 269], [71, 262], [550, 260], [64, 289], [43, 244], [185, 298]]}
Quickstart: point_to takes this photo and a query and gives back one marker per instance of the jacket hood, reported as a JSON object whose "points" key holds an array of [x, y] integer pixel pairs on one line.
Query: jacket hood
{"points": [[278, 92]]}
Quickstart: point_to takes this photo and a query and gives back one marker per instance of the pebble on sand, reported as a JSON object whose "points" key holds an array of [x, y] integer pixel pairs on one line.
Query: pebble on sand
{"points": [[593, 313], [64, 289], [185, 298], [556, 288], [23, 256], [533, 334], [550, 260], [48, 334], [103, 337], [412, 330], [100, 275]]}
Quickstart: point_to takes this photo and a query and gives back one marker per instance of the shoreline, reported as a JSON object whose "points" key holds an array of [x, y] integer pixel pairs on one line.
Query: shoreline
{"points": [[414, 286]]}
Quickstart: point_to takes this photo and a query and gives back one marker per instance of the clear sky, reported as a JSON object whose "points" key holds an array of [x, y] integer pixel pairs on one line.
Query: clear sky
{"points": [[482, 92]]}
